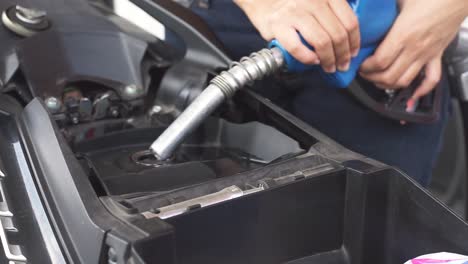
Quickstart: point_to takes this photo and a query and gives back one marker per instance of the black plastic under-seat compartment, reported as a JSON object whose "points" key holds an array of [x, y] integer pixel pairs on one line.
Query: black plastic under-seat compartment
{"points": [[120, 163]]}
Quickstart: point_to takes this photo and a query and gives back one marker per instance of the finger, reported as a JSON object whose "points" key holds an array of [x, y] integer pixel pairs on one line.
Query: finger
{"points": [[291, 41], [410, 75], [383, 86], [392, 74], [315, 35], [338, 35], [348, 18], [433, 75], [378, 85], [385, 55]]}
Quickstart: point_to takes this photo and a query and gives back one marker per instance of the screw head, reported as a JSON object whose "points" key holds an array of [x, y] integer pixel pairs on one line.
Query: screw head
{"points": [[75, 120], [132, 91], [115, 112], [156, 109], [30, 15], [53, 104], [390, 92], [112, 256]]}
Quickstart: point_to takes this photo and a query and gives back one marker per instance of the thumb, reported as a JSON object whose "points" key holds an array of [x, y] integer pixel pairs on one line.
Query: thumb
{"points": [[387, 52]]}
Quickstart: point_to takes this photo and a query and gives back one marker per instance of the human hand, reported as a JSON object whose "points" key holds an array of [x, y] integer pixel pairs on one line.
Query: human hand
{"points": [[330, 26], [415, 44]]}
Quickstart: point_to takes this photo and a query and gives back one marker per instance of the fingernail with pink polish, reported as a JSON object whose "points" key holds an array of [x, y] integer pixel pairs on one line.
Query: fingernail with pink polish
{"points": [[411, 105]]}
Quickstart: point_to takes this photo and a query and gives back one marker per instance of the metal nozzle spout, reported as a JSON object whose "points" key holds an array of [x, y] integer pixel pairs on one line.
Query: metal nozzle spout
{"points": [[187, 122], [249, 69]]}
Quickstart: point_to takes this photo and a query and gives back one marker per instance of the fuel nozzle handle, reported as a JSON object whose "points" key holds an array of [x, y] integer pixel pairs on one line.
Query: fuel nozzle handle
{"points": [[248, 69], [375, 19]]}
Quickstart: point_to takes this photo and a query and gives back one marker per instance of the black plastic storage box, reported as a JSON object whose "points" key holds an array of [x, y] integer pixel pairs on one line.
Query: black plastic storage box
{"points": [[358, 214]]}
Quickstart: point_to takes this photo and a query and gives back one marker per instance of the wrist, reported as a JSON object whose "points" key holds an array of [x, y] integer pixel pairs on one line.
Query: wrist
{"points": [[251, 7], [243, 4]]}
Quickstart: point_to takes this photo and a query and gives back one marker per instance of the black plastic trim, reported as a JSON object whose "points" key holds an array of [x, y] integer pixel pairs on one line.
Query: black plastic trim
{"points": [[78, 216], [34, 232]]}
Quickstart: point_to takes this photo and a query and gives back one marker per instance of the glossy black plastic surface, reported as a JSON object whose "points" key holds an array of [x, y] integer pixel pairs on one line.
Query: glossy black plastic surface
{"points": [[28, 226], [121, 163], [339, 218]]}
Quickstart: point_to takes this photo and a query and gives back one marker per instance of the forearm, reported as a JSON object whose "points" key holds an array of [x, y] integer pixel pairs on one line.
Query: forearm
{"points": [[461, 6], [253, 7], [464, 3], [247, 3]]}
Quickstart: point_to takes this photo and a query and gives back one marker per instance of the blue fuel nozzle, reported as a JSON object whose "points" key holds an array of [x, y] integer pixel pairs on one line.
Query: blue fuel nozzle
{"points": [[375, 19]]}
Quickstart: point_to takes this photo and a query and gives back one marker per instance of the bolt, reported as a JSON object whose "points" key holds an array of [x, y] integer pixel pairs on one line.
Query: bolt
{"points": [[155, 110], [115, 112], [112, 256], [390, 92], [30, 15], [132, 91], [75, 120], [53, 104]]}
